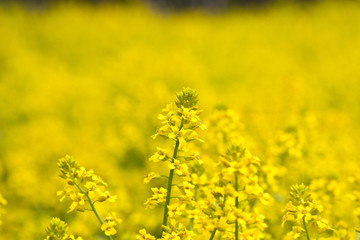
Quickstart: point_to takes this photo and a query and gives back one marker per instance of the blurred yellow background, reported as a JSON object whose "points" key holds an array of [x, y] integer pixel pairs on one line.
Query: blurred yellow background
{"points": [[89, 81]]}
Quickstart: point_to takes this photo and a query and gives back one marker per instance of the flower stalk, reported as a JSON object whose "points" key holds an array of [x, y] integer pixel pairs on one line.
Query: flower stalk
{"points": [[179, 124], [305, 227], [85, 188], [302, 210], [92, 205], [237, 206], [170, 180]]}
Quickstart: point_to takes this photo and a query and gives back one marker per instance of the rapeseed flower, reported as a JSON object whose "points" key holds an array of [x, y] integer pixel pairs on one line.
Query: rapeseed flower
{"points": [[304, 212], [179, 124], [85, 188], [57, 230]]}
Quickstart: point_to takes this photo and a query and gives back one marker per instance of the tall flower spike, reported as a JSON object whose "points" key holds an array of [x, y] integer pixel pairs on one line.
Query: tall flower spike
{"points": [[179, 125], [85, 188], [57, 230], [303, 211], [236, 191]]}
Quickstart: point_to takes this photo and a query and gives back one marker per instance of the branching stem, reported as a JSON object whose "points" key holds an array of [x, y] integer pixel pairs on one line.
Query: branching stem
{"points": [[306, 230], [91, 205]]}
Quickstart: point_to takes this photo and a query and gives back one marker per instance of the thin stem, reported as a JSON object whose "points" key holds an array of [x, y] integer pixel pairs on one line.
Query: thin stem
{"points": [[170, 180], [306, 230], [237, 206], [168, 195], [192, 220], [357, 233], [215, 229], [213, 234], [91, 205]]}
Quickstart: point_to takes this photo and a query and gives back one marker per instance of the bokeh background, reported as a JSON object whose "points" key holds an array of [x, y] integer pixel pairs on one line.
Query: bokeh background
{"points": [[89, 79]]}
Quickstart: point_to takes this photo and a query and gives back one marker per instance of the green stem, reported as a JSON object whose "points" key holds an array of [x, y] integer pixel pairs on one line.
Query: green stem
{"points": [[91, 205], [170, 180], [213, 234], [306, 230], [237, 206], [215, 229], [357, 234], [192, 220]]}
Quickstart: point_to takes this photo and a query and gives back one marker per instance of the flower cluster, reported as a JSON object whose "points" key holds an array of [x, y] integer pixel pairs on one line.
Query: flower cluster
{"points": [[57, 230], [159, 195], [221, 195], [3, 202], [179, 124], [231, 208], [85, 189], [83, 186], [304, 212], [222, 199], [143, 235], [109, 224], [355, 195]]}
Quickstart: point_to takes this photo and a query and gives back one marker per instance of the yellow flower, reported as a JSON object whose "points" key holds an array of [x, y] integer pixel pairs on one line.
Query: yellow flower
{"points": [[170, 236], [178, 134], [221, 224], [180, 126], [105, 196], [150, 203], [78, 202], [58, 229], [176, 209], [160, 155], [297, 231], [287, 217], [151, 176], [159, 193], [108, 228], [180, 169], [109, 224], [64, 193], [188, 189], [91, 188], [144, 236], [322, 223], [304, 211]]}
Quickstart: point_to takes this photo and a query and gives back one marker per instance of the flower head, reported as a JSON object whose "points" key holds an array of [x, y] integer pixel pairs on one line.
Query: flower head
{"points": [[82, 185], [187, 98], [57, 230]]}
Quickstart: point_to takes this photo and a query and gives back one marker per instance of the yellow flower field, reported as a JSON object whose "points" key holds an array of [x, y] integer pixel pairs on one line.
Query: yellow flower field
{"points": [[98, 110]]}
